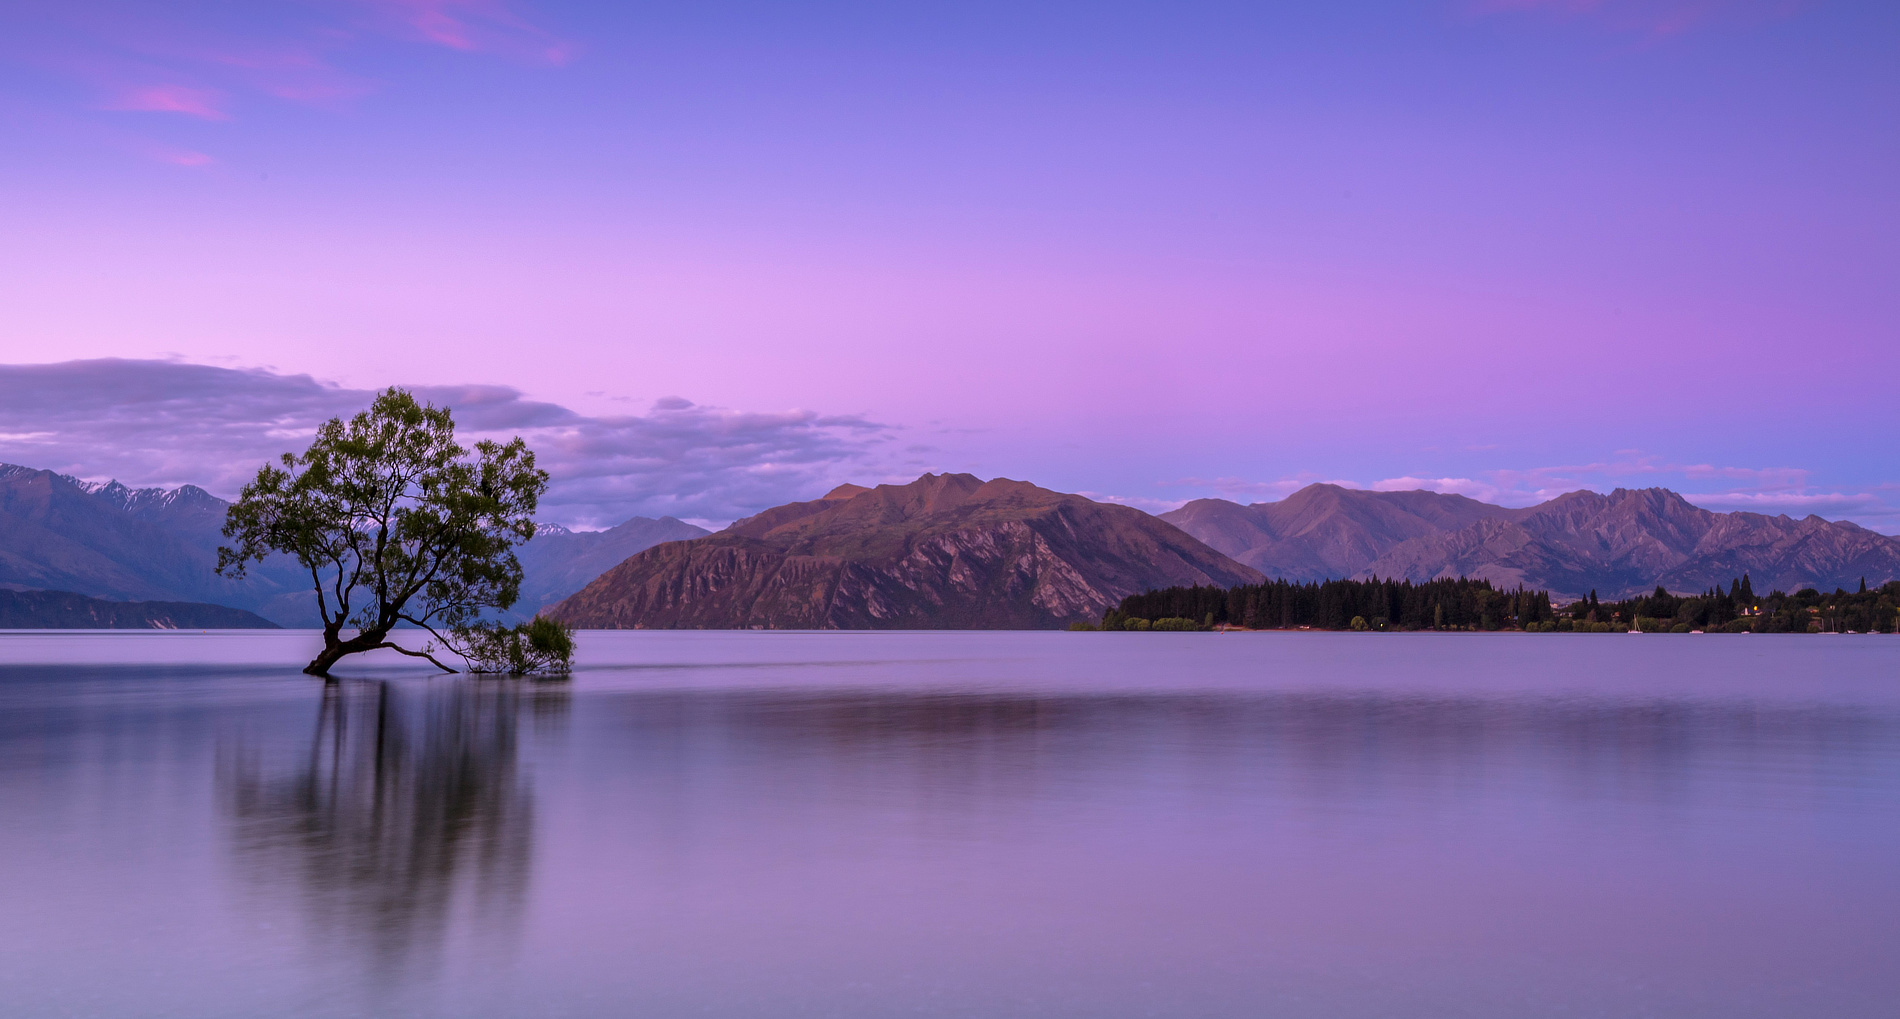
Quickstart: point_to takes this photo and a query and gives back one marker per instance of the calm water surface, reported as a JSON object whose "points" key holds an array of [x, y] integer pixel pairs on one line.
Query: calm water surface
{"points": [[961, 824]]}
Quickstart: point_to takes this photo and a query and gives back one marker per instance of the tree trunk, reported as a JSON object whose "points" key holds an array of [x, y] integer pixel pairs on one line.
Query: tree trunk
{"points": [[334, 649], [320, 665]]}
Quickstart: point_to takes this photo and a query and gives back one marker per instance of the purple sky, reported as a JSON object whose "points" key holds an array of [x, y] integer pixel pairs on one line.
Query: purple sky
{"points": [[1148, 252]]}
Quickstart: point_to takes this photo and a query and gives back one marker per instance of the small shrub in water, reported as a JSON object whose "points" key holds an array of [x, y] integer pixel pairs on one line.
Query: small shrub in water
{"points": [[541, 645]]}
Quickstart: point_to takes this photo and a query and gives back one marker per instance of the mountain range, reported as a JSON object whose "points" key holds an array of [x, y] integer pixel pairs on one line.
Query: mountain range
{"points": [[110, 541], [952, 550], [946, 551], [1621, 544], [124, 544]]}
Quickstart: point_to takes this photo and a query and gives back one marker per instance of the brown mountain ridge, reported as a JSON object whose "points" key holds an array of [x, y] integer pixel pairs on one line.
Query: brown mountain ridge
{"points": [[1325, 532], [947, 551], [1631, 540]]}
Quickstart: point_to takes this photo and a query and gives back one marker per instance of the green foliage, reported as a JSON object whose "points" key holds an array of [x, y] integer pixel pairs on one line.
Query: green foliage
{"points": [[1335, 605], [1173, 624], [394, 521], [541, 645], [1080, 626], [1739, 610]]}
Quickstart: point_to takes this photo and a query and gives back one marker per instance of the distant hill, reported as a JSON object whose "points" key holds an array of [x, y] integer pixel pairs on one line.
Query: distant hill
{"points": [[64, 610], [1326, 532], [1622, 544], [113, 542], [945, 551], [559, 562], [1625, 543]]}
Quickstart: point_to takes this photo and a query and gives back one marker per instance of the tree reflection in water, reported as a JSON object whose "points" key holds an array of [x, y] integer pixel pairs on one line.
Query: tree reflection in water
{"points": [[407, 818]]}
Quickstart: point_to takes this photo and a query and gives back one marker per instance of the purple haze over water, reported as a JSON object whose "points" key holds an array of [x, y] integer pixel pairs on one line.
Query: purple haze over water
{"points": [[994, 824]]}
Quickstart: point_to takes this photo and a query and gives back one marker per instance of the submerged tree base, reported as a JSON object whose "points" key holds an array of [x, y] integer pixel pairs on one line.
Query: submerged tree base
{"points": [[335, 650]]}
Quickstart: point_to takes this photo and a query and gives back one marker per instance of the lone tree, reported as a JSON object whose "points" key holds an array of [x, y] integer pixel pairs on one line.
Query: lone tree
{"points": [[396, 524]]}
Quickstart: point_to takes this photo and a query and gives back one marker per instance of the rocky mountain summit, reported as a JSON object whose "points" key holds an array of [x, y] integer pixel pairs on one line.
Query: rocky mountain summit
{"points": [[943, 552], [1326, 532], [1625, 543], [1619, 545]]}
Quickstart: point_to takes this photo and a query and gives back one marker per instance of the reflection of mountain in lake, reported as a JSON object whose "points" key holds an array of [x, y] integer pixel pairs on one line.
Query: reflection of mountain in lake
{"points": [[406, 819]]}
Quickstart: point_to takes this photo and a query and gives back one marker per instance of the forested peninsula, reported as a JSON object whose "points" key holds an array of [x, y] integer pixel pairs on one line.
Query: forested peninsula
{"points": [[1477, 605]]}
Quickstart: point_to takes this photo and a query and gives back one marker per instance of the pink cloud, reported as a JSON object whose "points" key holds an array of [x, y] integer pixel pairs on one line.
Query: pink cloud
{"points": [[193, 102], [475, 26], [296, 72], [165, 60]]}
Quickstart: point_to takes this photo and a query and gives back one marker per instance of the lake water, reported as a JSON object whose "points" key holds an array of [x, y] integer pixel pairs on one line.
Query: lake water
{"points": [[957, 824]]}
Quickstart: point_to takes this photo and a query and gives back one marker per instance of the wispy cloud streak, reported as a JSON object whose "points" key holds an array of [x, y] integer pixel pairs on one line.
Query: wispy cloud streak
{"points": [[194, 102], [473, 26], [223, 64]]}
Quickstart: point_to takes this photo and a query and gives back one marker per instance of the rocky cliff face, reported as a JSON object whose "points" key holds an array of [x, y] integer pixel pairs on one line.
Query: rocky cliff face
{"points": [[946, 551], [1627, 542], [1325, 532]]}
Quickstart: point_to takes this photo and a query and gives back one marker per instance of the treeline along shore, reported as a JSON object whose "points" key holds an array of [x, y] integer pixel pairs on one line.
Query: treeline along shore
{"points": [[1460, 604], [1477, 605]]}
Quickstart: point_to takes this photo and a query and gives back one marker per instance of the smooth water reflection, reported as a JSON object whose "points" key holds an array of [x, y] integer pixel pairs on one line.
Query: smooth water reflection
{"points": [[961, 825], [407, 813]]}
